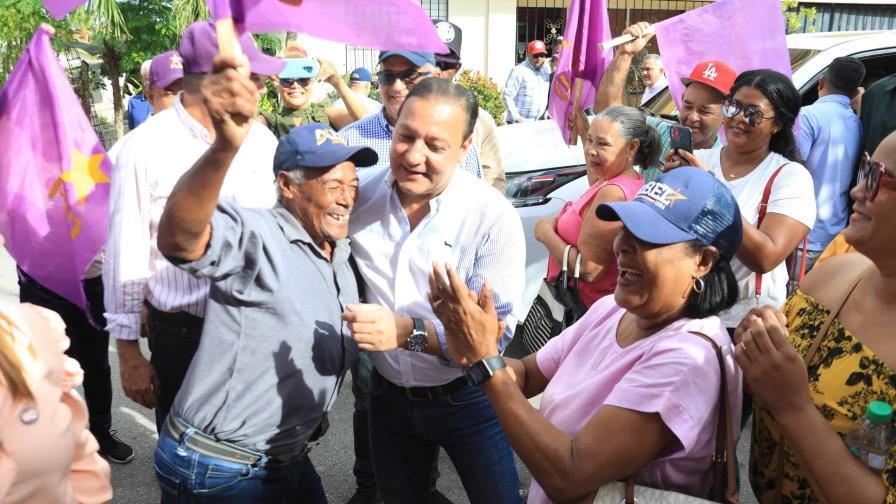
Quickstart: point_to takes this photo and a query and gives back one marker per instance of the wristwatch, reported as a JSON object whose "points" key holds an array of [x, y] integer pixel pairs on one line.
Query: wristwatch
{"points": [[479, 373], [418, 339]]}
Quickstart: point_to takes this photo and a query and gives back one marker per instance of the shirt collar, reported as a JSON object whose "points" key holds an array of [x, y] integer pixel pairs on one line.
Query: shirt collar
{"points": [[294, 232], [383, 122], [192, 125], [835, 98], [447, 195]]}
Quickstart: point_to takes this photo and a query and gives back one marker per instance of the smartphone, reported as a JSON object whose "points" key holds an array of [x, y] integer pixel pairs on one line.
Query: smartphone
{"points": [[300, 68], [680, 138]]}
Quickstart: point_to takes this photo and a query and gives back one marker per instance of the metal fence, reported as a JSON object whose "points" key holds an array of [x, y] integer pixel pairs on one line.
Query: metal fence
{"points": [[850, 17]]}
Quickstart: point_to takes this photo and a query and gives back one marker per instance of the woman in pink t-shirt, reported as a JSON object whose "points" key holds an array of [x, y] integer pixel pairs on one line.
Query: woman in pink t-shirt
{"points": [[618, 139], [629, 390]]}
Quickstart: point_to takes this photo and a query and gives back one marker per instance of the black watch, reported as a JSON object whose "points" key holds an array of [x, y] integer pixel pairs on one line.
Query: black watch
{"points": [[417, 340], [479, 373]]}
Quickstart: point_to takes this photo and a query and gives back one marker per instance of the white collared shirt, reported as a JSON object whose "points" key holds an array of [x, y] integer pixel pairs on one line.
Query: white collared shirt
{"points": [[470, 226], [147, 163], [651, 91]]}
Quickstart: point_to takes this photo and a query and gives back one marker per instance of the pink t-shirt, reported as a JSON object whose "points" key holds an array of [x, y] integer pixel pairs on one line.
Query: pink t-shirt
{"points": [[673, 373], [569, 225]]}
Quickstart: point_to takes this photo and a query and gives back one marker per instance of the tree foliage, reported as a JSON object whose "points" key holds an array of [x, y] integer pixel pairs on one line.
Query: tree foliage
{"points": [[486, 92], [794, 14]]}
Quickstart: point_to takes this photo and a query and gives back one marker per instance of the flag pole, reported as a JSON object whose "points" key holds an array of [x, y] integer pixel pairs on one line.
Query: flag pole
{"points": [[622, 39], [228, 44], [577, 82]]}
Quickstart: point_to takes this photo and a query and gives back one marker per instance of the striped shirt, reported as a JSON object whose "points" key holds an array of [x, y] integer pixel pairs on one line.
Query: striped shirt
{"points": [[374, 131], [526, 92], [148, 162], [470, 226]]}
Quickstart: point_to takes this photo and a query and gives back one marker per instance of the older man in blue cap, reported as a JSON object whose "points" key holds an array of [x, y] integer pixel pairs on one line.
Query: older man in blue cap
{"points": [[274, 349], [359, 81]]}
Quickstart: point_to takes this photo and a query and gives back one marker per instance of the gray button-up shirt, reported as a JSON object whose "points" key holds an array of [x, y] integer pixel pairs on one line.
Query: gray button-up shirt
{"points": [[274, 346]]}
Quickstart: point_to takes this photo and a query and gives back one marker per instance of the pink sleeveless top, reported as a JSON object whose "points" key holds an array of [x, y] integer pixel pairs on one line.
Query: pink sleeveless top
{"points": [[569, 225]]}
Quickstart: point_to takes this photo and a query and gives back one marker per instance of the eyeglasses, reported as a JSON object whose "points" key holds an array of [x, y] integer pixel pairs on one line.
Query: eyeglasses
{"points": [[752, 113], [287, 83], [388, 77], [540, 55], [874, 174]]}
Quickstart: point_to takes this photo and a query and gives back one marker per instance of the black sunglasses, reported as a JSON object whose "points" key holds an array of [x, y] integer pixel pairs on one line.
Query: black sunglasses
{"points": [[874, 174], [540, 55], [388, 77], [289, 82], [752, 113], [447, 65]]}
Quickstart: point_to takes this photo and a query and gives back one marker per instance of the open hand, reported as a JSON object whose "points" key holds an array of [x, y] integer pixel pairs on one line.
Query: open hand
{"points": [[231, 98], [772, 367], [472, 328]]}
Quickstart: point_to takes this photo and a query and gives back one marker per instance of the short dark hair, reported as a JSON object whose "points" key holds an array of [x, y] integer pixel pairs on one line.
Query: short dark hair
{"points": [[778, 89], [445, 90], [845, 75], [720, 290]]}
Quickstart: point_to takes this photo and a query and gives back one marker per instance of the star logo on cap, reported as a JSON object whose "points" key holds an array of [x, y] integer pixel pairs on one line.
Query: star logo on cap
{"points": [[660, 195], [322, 135], [176, 61]]}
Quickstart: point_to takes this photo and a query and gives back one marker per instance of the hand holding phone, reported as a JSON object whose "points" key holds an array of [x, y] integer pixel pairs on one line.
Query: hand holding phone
{"points": [[680, 139]]}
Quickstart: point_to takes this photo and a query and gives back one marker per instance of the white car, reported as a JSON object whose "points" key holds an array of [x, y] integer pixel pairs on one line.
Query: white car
{"points": [[543, 173]]}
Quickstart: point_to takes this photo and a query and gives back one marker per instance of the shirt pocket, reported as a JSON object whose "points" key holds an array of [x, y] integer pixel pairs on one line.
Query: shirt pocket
{"points": [[436, 249]]}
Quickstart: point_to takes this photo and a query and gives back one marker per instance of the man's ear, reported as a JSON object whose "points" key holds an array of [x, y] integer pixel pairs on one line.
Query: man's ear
{"points": [[283, 183], [465, 147], [821, 82]]}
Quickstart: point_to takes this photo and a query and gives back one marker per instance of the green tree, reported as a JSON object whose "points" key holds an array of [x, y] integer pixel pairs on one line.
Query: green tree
{"points": [[486, 92], [794, 14], [18, 21]]}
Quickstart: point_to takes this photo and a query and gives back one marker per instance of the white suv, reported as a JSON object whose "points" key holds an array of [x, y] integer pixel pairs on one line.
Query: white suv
{"points": [[543, 173]]}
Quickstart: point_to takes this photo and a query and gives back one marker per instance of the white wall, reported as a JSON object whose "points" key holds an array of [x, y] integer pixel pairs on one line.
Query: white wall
{"points": [[489, 29]]}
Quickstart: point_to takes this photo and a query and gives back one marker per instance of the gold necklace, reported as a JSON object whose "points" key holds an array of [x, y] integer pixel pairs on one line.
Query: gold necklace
{"points": [[742, 171]]}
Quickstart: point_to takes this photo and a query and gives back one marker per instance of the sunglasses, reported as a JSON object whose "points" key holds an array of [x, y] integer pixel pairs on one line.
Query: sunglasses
{"points": [[752, 113], [540, 55], [874, 174], [447, 65], [287, 83], [388, 77]]}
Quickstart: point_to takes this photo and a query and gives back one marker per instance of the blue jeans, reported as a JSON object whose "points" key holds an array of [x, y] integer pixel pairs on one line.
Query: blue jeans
{"points": [[187, 476], [405, 435]]}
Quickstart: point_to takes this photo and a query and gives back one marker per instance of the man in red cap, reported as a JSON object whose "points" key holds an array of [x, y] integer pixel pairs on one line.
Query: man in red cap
{"points": [[701, 103], [526, 91]]}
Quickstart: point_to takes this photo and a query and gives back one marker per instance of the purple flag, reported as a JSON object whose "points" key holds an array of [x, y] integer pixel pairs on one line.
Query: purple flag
{"points": [[381, 24], [59, 8], [580, 44], [54, 183], [745, 34]]}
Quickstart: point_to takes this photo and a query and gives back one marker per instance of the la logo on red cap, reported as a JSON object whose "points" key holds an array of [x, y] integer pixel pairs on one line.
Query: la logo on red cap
{"points": [[710, 72]]}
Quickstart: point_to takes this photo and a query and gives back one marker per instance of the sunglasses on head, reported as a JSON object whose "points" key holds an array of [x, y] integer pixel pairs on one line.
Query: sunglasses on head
{"points": [[752, 113], [874, 175], [289, 82], [388, 77]]}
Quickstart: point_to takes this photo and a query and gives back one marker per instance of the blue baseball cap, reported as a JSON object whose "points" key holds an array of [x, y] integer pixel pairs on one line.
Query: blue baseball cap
{"points": [[315, 145], [360, 74], [691, 204], [418, 58]]}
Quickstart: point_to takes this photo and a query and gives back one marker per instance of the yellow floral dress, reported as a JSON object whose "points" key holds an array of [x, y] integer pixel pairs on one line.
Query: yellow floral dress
{"points": [[844, 378]]}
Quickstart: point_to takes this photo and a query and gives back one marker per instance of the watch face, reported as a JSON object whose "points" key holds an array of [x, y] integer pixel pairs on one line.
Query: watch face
{"points": [[417, 341]]}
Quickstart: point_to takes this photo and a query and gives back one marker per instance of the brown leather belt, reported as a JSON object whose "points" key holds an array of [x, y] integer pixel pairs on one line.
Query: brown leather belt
{"points": [[203, 443]]}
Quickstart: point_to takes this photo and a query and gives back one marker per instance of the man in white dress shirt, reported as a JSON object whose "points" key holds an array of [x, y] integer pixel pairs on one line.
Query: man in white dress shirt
{"points": [[653, 76], [148, 162], [419, 211]]}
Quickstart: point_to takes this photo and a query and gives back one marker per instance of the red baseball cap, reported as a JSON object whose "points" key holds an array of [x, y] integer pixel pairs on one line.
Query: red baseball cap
{"points": [[714, 73], [537, 47]]}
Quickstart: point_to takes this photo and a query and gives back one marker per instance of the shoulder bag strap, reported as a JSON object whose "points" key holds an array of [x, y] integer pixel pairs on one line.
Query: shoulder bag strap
{"points": [[575, 275], [563, 277], [724, 461], [763, 206], [807, 359]]}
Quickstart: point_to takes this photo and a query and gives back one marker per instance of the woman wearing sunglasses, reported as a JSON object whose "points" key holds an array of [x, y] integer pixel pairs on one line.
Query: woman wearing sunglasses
{"points": [[840, 323], [758, 118]]}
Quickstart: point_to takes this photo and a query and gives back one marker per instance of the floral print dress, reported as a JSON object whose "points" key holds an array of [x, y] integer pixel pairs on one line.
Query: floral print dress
{"points": [[844, 377]]}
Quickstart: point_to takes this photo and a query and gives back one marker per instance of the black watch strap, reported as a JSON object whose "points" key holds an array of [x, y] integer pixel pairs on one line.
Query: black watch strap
{"points": [[482, 371]]}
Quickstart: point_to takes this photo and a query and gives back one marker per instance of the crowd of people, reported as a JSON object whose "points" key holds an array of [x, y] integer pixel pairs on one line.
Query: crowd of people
{"points": [[383, 249]]}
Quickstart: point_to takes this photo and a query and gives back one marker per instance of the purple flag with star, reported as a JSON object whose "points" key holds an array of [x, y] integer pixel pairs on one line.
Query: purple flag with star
{"points": [[59, 8], [54, 173], [587, 25], [380, 24]]}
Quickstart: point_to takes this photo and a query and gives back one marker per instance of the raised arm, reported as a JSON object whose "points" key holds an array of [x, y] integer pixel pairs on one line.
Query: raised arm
{"points": [[612, 85], [231, 99], [354, 106]]}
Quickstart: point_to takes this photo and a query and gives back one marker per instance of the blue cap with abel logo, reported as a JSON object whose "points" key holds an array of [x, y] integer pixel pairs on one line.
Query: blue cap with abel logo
{"points": [[315, 145], [691, 204]]}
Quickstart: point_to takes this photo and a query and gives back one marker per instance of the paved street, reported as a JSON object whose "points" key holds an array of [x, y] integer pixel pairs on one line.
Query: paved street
{"points": [[135, 483]]}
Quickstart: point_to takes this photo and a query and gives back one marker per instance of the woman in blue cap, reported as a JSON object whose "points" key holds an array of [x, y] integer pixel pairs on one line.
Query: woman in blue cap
{"points": [[630, 390]]}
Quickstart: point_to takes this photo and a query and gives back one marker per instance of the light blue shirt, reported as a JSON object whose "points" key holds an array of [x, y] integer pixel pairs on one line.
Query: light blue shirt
{"points": [[470, 226], [526, 91], [374, 131], [829, 140]]}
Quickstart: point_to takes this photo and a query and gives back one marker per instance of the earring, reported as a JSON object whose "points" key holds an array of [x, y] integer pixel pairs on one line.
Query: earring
{"points": [[699, 285]]}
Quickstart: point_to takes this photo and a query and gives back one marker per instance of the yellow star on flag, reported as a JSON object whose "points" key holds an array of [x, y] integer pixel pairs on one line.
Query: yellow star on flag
{"points": [[85, 173]]}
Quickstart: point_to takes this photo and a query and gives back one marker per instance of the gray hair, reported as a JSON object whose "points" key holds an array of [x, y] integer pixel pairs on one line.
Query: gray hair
{"points": [[653, 57], [144, 69], [631, 124], [296, 175]]}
